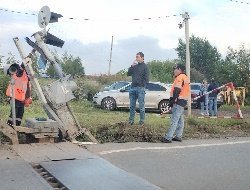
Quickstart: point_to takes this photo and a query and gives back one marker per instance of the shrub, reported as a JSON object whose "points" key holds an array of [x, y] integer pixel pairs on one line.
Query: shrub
{"points": [[4, 81], [86, 89], [106, 79]]}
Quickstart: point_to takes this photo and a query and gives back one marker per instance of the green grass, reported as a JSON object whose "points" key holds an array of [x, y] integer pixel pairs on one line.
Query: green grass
{"points": [[112, 126], [233, 108]]}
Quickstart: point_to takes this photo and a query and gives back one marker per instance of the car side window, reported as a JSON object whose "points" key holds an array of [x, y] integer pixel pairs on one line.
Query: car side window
{"points": [[127, 88], [154, 87], [195, 87], [118, 85]]}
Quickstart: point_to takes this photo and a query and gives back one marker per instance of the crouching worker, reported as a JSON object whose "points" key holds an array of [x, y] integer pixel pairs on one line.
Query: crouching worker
{"points": [[178, 100], [21, 91]]}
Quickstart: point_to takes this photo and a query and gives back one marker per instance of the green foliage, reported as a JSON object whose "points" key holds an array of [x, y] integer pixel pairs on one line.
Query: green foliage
{"points": [[161, 71], [70, 65], [51, 71], [11, 59], [109, 79], [86, 89], [34, 62], [196, 76], [247, 100], [226, 72], [1, 59], [4, 81], [237, 63], [203, 55]]}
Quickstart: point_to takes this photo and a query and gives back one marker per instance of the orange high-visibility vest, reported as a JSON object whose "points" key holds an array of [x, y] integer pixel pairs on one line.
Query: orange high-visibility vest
{"points": [[182, 82], [20, 87]]}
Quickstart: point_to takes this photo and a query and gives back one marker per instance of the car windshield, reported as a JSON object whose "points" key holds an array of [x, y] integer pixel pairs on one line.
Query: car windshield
{"points": [[116, 86], [195, 87]]}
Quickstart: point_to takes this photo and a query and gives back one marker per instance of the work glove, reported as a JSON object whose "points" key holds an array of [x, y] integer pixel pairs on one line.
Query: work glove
{"points": [[171, 102]]}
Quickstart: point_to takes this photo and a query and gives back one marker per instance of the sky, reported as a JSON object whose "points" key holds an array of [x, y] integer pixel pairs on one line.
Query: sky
{"points": [[223, 23]]}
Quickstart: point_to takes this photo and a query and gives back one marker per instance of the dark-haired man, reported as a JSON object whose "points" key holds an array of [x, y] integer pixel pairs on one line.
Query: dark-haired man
{"points": [[140, 77]]}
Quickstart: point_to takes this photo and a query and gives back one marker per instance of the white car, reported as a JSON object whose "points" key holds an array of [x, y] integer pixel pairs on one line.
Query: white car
{"points": [[117, 96]]}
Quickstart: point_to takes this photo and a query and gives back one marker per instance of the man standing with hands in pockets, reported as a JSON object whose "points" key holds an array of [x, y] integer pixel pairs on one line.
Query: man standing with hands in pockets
{"points": [[140, 77]]}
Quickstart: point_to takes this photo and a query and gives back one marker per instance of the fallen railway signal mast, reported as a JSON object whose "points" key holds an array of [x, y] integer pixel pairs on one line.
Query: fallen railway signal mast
{"points": [[62, 122]]}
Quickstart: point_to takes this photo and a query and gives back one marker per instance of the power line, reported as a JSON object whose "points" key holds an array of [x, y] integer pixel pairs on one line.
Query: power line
{"points": [[17, 12], [241, 2], [89, 19]]}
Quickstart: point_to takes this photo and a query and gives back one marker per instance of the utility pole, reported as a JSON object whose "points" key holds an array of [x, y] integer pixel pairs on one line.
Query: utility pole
{"points": [[110, 57], [186, 17]]}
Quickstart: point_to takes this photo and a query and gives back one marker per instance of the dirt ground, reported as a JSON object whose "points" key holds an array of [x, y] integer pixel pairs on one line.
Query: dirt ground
{"points": [[6, 152]]}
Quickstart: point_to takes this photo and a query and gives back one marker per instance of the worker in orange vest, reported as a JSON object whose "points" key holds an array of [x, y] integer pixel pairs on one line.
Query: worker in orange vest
{"points": [[22, 91], [178, 100]]}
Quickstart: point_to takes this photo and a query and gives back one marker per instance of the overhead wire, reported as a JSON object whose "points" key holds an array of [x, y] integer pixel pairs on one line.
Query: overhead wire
{"points": [[92, 19], [241, 2]]}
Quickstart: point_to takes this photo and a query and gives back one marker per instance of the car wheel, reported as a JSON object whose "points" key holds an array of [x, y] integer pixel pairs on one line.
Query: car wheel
{"points": [[163, 106], [108, 103]]}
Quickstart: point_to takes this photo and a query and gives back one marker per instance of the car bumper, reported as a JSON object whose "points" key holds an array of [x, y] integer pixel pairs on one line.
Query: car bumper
{"points": [[97, 101]]}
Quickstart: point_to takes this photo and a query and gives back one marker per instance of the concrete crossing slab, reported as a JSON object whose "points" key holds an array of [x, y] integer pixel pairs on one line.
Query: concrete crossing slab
{"points": [[95, 174], [18, 174]]}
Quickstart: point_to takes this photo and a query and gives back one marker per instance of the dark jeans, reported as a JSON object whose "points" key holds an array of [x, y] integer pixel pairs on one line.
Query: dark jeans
{"points": [[19, 106], [212, 106], [134, 94]]}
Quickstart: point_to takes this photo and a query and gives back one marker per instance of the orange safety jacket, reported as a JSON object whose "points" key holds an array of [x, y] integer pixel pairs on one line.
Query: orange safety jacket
{"points": [[20, 87], [182, 82]]}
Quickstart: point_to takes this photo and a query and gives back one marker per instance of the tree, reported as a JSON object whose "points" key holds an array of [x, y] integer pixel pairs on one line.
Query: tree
{"points": [[11, 59], [1, 59], [226, 71], [238, 63], [161, 70], [71, 65], [51, 71], [34, 63], [203, 56], [196, 75]]}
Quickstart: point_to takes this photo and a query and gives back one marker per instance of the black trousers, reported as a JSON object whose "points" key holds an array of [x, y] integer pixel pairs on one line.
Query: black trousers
{"points": [[19, 113]]}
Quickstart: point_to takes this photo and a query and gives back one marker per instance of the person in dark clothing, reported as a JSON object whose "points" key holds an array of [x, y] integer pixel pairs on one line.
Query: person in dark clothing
{"points": [[140, 77], [213, 98]]}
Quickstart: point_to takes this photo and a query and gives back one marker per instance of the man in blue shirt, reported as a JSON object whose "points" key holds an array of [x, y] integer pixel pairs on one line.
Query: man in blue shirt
{"points": [[140, 77]]}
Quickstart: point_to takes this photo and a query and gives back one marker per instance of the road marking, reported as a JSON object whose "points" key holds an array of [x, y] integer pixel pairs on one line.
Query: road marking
{"points": [[171, 147]]}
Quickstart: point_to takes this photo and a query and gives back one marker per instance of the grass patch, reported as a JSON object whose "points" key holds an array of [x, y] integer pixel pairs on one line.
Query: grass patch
{"points": [[112, 126], [233, 108]]}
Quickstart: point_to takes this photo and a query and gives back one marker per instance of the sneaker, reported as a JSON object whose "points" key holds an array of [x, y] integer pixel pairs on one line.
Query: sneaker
{"points": [[141, 123], [164, 140], [131, 123], [177, 139]]}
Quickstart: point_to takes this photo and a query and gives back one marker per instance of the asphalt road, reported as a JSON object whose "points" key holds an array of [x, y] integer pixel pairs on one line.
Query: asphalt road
{"points": [[218, 164]]}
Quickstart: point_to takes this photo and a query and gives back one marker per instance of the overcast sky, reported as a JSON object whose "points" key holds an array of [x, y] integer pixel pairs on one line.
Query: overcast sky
{"points": [[223, 22]]}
